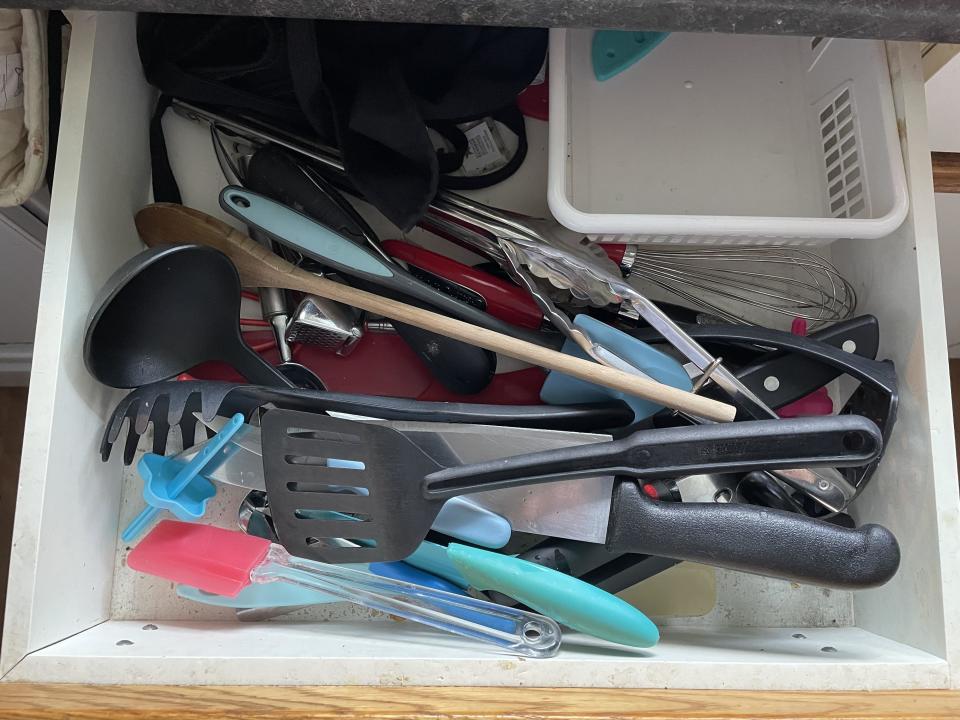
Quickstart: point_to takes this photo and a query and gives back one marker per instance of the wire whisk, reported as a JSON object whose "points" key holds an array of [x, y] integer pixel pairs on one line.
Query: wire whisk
{"points": [[745, 285]]}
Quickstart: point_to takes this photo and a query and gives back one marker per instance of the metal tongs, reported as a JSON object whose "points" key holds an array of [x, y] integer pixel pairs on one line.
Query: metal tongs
{"points": [[501, 236], [591, 275], [563, 258]]}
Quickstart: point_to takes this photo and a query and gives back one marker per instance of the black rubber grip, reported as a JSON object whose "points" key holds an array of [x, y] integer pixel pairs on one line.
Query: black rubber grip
{"points": [[752, 539]]}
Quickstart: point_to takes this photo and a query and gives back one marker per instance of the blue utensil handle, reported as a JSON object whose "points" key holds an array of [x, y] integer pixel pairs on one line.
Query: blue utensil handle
{"points": [[199, 463], [140, 523]]}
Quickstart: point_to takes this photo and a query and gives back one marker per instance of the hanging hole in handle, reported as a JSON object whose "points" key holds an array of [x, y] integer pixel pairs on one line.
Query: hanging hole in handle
{"points": [[531, 632], [723, 495], [240, 201], [853, 441]]}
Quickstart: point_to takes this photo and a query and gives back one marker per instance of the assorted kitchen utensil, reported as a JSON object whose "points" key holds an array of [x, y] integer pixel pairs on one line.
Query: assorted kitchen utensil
{"points": [[876, 397], [570, 601], [651, 433], [165, 405], [329, 248], [406, 488], [242, 466], [260, 268], [224, 562]]}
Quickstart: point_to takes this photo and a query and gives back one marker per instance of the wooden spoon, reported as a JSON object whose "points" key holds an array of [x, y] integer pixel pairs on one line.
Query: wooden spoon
{"points": [[171, 224]]}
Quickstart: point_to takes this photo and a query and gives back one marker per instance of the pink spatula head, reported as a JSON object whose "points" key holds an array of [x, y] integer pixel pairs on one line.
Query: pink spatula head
{"points": [[210, 558]]}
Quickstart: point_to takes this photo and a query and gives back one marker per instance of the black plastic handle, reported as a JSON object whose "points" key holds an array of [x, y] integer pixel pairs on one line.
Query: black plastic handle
{"points": [[226, 399], [253, 367], [752, 539], [829, 441]]}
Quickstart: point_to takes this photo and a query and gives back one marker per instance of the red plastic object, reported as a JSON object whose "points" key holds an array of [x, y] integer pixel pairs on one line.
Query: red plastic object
{"points": [[209, 558], [614, 252], [504, 300], [534, 101], [816, 403]]}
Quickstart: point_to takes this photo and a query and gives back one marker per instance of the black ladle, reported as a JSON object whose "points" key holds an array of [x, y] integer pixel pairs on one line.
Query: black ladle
{"points": [[165, 311]]}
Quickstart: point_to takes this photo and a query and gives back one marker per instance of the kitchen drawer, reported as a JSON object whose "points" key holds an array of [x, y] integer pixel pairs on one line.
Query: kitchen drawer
{"points": [[76, 614]]}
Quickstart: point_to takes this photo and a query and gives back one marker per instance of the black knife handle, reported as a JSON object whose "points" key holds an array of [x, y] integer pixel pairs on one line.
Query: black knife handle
{"points": [[752, 539], [799, 375], [826, 441], [876, 374]]}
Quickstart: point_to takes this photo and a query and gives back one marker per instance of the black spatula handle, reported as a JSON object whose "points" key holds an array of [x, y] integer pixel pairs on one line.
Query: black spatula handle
{"points": [[829, 441], [752, 539]]}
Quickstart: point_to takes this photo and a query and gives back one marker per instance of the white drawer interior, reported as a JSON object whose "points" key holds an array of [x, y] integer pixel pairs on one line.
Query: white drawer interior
{"points": [[76, 614]]}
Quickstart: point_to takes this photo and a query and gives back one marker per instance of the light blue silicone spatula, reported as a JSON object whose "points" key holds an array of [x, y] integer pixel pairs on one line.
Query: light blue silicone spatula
{"points": [[559, 389], [614, 51]]}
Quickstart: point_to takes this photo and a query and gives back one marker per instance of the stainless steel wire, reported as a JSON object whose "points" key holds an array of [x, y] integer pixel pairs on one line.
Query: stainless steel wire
{"points": [[746, 284]]}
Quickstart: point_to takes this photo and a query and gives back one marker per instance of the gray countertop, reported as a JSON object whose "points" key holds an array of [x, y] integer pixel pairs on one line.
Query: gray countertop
{"points": [[928, 20]]}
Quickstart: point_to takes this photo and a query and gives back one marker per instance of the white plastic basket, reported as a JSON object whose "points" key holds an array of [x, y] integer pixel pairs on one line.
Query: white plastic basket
{"points": [[726, 139]]}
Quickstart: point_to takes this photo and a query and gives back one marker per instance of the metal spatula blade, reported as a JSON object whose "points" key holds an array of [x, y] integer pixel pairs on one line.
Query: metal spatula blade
{"points": [[390, 517]]}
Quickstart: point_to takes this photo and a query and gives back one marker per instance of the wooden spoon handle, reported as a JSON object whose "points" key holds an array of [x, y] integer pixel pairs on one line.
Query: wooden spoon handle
{"points": [[258, 267]]}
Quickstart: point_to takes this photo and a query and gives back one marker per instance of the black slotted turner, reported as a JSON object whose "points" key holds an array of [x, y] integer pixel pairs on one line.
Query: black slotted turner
{"points": [[404, 488]]}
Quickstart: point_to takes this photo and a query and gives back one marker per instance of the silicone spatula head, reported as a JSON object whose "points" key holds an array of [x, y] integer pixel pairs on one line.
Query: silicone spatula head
{"points": [[614, 51], [210, 558]]}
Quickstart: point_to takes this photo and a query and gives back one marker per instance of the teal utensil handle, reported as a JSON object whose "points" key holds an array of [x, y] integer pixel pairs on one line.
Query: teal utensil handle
{"points": [[566, 599], [432, 558], [322, 244]]}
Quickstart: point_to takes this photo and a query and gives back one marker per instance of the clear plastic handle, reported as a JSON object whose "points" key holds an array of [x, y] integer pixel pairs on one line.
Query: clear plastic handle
{"points": [[517, 631]]}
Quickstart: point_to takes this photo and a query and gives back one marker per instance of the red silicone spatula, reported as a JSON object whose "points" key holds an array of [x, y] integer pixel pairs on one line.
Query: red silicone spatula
{"points": [[225, 561]]}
